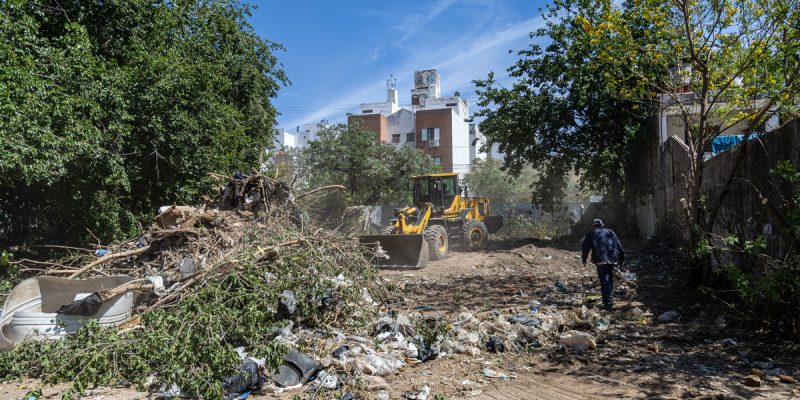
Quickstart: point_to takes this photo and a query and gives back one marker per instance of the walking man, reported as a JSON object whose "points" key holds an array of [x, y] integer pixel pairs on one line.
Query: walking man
{"points": [[607, 253]]}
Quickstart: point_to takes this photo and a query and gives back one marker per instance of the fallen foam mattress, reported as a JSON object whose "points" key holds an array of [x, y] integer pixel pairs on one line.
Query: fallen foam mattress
{"points": [[31, 309]]}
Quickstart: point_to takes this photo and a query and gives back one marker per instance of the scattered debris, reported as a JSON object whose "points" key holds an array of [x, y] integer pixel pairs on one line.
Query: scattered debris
{"points": [[422, 394], [752, 381], [102, 252], [669, 316], [578, 340], [495, 344], [490, 373], [764, 364], [635, 314], [247, 377]]}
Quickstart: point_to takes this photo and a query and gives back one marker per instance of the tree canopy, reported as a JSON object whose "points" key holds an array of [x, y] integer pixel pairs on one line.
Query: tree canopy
{"points": [[109, 109], [561, 114], [714, 64], [373, 172], [486, 178], [585, 87]]}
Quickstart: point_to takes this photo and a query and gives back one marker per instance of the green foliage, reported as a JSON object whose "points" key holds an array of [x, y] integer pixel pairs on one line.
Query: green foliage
{"points": [[562, 115], [703, 248], [373, 172], [9, 273], [487, 178], [755, 246], [772, 297], [520, 226], [431, 330], [766, 289], [789, 176], [718, 66], [730, 240], [193, 343], [109, 108]]}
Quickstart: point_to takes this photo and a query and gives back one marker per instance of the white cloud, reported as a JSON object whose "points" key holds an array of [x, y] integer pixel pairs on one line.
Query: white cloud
{"points": [[461, 67], [414, 23], [459, 62]]}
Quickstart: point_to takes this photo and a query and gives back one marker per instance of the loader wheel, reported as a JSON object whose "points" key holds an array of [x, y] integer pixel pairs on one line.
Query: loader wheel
{"points": [[475, 234], [438, 242], [388, 230]]}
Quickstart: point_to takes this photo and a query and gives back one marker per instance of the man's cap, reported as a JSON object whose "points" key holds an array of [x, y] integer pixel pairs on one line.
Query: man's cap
{"points": [[597, 222]]}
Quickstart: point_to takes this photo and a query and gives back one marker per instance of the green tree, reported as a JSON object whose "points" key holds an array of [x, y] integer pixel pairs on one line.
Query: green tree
{"points": [[373, 172], [561, 114], [110, 109], [716, 64], [487, 178]]}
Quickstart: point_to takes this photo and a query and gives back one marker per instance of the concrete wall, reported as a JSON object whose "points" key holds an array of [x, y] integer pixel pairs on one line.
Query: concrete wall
{"points": [[743, 212], [282, 139], [402, 122], [461, 144], [664, 168], [659, 180]]}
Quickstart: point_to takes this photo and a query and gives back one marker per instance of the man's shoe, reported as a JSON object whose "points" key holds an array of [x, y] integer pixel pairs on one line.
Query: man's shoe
{"points": [[608, 307]]}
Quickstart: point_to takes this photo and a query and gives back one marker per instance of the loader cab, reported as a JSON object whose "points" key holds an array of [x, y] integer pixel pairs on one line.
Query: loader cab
{"points": [[437, 189]]}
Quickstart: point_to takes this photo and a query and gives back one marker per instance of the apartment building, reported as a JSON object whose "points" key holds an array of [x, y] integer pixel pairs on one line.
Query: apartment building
{"points": [[434, 124], [297, 137]]}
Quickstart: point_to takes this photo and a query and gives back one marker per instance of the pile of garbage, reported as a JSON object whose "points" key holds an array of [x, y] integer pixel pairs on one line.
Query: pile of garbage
{"points": [[214, 301]]}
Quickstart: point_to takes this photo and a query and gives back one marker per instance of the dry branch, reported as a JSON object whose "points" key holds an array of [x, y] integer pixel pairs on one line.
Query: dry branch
{"points": [[329, 187], [110, 257]]}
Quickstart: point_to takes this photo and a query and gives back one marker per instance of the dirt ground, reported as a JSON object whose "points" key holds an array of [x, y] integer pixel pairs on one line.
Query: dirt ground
{"points": [[644, 358], [636, 358]]}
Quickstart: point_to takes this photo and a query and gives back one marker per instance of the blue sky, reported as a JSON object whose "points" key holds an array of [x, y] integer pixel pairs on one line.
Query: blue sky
{"points": [[340, 53]]}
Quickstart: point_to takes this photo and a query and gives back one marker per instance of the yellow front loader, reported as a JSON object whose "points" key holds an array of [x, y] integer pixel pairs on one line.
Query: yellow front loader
{"points": [[440, 216]]}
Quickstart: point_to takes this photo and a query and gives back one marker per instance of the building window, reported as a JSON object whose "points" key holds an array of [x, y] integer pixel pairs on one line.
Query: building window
{"points": [[366, 111], [430, 134], [451, 104], [396, 138], [411, 137], [437, 160]]}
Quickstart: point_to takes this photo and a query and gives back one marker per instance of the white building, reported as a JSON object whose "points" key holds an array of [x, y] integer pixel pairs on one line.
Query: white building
{"points": [[477, 138], [435, 125], [297, 137]]}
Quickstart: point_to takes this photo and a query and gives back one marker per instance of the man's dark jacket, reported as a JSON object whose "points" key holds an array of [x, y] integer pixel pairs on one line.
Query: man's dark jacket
{"points": [[606, 247]]}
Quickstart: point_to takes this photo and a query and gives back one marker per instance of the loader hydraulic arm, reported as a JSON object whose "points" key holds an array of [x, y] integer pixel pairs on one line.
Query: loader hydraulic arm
{"points": [[422, 222]]}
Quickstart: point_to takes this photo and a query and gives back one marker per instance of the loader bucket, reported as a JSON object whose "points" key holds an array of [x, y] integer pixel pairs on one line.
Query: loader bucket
{"points": [[402, 250]]}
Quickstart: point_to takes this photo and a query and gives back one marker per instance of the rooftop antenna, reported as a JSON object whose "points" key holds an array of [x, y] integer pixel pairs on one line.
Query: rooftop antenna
{"points": [[391, 83]]}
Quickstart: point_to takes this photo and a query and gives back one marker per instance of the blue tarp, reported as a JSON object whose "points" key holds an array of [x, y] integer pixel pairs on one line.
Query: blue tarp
{"points": [[722, 143]]}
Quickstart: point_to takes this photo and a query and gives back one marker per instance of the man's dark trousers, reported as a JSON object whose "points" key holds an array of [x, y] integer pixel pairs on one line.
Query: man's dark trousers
{"points": [[606, 274]]}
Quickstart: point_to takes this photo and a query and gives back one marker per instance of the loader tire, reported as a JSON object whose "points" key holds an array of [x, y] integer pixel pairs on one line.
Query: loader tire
{"points": [[438, 242], [388, 230], [475, 234]]}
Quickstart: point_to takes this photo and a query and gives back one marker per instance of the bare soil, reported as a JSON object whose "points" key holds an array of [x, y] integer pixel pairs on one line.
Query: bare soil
{"points": [[635, 358], [641, 358]]}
